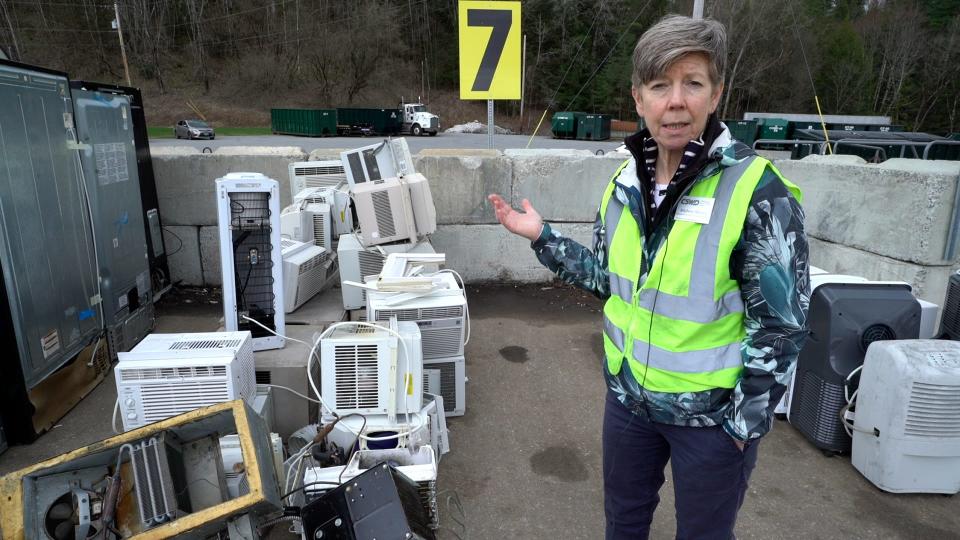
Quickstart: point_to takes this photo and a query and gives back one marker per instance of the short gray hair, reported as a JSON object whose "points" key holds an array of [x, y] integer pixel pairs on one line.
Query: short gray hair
{"points": [[673, 37]]}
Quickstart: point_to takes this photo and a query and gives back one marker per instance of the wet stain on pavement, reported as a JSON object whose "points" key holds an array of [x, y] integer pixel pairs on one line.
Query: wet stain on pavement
{"points": [[596, 344], [515, 354], [561, 462]]}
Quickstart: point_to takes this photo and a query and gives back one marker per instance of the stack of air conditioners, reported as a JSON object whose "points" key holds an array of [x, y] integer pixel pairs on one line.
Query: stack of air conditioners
{"points": [[393, 201], [439, 309], [357, 263], [307, 270], [369, 371], [338, 200]]}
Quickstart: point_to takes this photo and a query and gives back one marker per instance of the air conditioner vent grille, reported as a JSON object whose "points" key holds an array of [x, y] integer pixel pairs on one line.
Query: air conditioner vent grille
{"points": [[177, 373], [384, 214], [357, 376], [934, 411], [205, 344]]}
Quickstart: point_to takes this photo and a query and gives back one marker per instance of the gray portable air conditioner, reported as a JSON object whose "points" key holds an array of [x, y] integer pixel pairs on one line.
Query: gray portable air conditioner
{"points": [[844, 319], [950, 320]]}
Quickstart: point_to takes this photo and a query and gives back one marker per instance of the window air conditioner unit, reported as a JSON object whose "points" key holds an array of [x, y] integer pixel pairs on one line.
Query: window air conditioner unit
{"points": [[296, 223], [315, 174], [307, 270], [339, 201], [453, 383], [388, 159], [322, 232], [248, 212], [365, 370], [439, 315], [950, 320], [384, 212], [357, 263], [424, 212], [845, 318], [906, 436], [170, 374]]}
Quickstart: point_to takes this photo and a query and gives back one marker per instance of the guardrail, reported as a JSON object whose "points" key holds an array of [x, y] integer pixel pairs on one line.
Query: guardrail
{"points": [[865, 143]]}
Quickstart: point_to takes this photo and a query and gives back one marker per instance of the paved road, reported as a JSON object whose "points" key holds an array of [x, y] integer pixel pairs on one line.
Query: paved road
{"points": [[443, 140]]}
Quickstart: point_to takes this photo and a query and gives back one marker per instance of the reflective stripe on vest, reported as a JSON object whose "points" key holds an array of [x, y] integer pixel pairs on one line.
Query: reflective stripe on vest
{"points": [[691, 311]]}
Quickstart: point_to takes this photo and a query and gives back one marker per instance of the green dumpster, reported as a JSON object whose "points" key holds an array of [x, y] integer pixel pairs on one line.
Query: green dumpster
{"points": [[364, 121], [564, 124], [593, 127], [774, 128], [744, 131], [308, 122]]}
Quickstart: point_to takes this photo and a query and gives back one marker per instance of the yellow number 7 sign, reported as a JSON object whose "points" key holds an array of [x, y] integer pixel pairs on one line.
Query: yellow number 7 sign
{"points": [[489, 50]]}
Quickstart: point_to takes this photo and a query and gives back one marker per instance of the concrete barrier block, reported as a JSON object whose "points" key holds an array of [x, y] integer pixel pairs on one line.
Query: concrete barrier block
{"points": [[490, 253], [183, 244], [928, 282], [900, 209], [562, 187], [186, 182], [210, 256], [461, 181]]}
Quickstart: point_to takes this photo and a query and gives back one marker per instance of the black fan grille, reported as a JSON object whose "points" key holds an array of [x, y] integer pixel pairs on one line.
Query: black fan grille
{"points": [[876, 332], [951, 309]]}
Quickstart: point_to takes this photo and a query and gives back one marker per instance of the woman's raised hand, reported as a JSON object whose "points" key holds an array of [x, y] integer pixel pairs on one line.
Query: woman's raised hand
{"points": [[527, 224]]}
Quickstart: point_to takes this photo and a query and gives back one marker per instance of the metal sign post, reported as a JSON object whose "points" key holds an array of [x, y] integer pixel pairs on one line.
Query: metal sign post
{"points": [[490, 123]]}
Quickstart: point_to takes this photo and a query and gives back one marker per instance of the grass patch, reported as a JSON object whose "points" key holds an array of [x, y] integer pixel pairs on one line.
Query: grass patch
{"points": [[161, 132]]}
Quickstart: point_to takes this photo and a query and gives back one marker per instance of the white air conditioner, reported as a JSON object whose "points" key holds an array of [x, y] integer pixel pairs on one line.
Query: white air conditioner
{"points": [[248, 219], [424, 212], [440, 316], [313, 174], [170, 374], [357, 263], [388, 159], [384, 212], [296, 223], [306, 270], [906, 436], [339, 200], [365, 370], [322, 229], [453, 383], [234, 466]]}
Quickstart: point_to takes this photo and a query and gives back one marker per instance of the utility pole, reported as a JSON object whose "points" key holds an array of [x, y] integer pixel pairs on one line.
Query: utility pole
{"points": [[697, 9], [123, 50]]}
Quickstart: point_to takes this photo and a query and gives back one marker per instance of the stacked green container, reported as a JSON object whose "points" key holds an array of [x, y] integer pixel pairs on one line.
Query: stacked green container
{"points": [[744, 131], [564, 124], [308, 122], [593, 127]]}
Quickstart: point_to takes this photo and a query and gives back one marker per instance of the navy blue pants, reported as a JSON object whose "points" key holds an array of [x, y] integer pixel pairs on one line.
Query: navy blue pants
{"points": [[710, 475]]}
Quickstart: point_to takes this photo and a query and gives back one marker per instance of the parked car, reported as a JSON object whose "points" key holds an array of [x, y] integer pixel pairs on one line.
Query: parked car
{"points": [[193, 129]]}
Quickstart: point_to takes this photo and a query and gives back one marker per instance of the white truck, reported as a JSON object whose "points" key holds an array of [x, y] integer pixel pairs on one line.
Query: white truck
{"points": [[417, 120]]}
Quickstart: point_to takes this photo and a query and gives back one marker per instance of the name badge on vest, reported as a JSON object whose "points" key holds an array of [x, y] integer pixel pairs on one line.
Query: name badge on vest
{"points": [[695, 209]]}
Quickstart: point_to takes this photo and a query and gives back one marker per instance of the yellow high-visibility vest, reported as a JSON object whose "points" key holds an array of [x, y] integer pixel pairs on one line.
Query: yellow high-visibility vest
{"points": [[682, 328]]}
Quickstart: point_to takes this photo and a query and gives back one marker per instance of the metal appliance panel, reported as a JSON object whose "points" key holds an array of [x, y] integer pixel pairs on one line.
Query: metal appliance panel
{"points": [[46, 248]]}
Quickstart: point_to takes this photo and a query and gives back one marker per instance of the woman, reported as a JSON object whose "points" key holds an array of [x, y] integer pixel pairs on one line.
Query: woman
{"points": [[700, 253]]}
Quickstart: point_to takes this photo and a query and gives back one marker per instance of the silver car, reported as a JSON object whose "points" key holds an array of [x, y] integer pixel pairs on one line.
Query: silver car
{"points": [[193, 129]]}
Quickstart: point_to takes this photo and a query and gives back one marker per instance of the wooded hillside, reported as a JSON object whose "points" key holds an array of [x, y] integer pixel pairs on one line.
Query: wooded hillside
{"points": [[235, 59]]}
